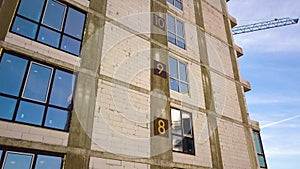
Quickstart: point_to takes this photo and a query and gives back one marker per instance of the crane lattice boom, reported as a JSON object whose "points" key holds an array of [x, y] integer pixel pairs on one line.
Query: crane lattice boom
{"points": [[263, 25]]}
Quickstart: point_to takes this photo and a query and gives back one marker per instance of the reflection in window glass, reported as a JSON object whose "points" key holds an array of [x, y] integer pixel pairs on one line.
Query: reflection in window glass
{"points": [[1, 153], [18, 161], [30, 113], [70, 45], [12, 71], [178, 76], [54, 14], [187, 124], [257, 142], [175, 31], [44, 99], [24, 27], [173, 67], [178, 4], [31, 9], [182, 133], [48, 162], [261, 160], [62, 89], [38, 82], [49, 37], [7, 107], [183, 75], [171, 23], [174, 85], [74, 18], [259, 149], [50, 22], [177, 143], [57, 118], [176, 122]]}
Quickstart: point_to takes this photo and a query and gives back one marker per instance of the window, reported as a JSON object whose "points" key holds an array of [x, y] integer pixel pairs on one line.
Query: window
{"points": [[182, 132], [176, 3], [50, 22], [178, 76], [27, 160], [34, 93], [175, 31], [259, 150]]}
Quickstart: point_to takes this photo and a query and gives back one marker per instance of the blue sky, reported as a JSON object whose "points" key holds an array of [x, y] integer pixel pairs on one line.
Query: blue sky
{"points": [[271, 63]]}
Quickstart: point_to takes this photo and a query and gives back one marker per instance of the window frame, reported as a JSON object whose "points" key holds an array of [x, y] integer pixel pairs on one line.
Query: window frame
{"points": [[35, 153], [178, 72], [182, 135], [176, 32], [47, 105], [173, 3], [262, 154], [41, 25]]}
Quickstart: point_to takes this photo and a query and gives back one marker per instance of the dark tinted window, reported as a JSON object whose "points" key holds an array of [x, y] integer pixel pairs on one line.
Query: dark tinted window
{"points": [[18, 161], [7, 107], [48, 162]]}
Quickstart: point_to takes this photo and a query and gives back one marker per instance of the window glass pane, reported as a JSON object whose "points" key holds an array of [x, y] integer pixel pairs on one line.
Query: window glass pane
{"points": [[62, 89], [30, 113], [31, 9], [12, 71], [24, 27], [178, 4], [18, 161], [7, 107], [70, 45], [180, 42], [54, 14], [257, 142], [173, 67], [261, 160], [171, 38], [179, 28], [188, 145], [1, 153], [174, 85], [57, 118], [171, 23], [48, 162], [49, 37], [37, 82], [184, 88], [74, 23], [177, 143], [187, 124], [176, 121], [171, 1], [182, 68]]}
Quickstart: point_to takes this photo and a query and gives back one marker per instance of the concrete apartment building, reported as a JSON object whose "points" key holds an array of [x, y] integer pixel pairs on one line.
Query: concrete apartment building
{"points": [[112, 84]]}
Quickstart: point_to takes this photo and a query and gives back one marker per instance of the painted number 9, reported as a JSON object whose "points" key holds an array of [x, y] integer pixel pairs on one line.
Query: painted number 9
{"points": [[159, 69]]}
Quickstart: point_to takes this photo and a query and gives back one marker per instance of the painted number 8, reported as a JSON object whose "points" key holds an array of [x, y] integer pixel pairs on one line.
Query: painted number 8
{"points": [[161, 127]]}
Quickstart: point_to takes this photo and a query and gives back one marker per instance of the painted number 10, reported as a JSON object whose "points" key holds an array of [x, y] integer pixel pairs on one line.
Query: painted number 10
{"points": [[159, 22]]}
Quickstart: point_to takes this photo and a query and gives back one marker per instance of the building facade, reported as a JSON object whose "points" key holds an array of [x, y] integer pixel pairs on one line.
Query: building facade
{"points": [[111, 84]]}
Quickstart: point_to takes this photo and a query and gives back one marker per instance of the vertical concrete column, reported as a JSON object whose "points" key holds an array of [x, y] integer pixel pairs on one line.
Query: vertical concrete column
{"points": [[208, 94], [239, 88], [7, 11], [86, 87], [161, 145]]}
